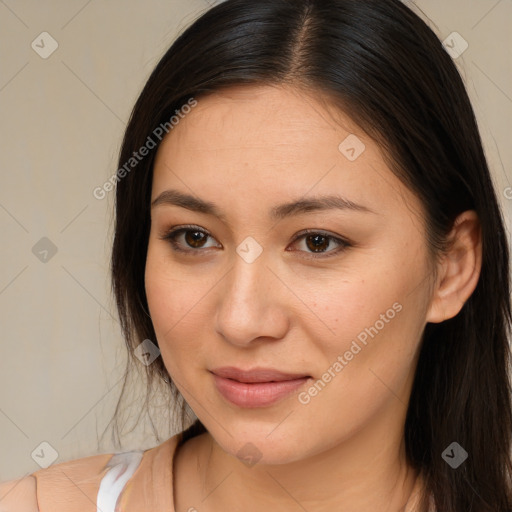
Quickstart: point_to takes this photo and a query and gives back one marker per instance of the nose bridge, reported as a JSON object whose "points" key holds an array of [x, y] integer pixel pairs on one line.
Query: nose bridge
{"points": [[250, 273], [247, 282], [248, 307]]}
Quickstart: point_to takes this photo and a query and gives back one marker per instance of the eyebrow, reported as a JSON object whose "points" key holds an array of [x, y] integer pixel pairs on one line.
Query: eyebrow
{"points": [[310, 204]]}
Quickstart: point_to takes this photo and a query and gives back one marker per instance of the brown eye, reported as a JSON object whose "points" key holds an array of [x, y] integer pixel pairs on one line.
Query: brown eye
{"points": [[319, 243], [191, 239], [195, 238]]}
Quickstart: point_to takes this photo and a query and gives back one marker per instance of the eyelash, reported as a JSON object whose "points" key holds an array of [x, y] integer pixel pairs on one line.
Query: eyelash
{"points": [[171, 235]]}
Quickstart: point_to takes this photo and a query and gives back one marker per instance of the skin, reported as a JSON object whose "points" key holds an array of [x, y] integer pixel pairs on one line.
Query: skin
{"points": [[247, 150]]}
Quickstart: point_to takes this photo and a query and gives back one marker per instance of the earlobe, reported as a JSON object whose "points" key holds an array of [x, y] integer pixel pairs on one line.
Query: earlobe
{"points": [[459, 269]]}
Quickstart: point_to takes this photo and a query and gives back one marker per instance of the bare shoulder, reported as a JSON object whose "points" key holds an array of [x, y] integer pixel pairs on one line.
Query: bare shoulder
{"points": [[19, 495]]}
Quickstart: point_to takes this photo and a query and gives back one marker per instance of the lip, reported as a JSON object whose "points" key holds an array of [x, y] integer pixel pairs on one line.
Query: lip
{"points": [[256, 374], [258, 387]]}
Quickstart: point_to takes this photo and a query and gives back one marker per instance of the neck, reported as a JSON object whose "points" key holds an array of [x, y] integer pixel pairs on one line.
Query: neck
{"points": [[367, 472]]}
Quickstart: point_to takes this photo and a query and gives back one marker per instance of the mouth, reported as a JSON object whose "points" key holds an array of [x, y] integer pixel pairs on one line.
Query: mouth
{"points": [[256, 375], [259, 387]]}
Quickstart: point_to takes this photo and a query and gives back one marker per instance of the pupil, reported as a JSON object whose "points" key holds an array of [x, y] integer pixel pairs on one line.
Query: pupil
{"points": [[194, 241], [315, 244]]}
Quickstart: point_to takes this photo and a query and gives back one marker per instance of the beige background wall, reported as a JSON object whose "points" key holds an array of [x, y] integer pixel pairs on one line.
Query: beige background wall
{"points": [[61, 124]]}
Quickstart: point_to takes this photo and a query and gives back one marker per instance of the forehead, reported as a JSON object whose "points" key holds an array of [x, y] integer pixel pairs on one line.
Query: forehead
{"points": [[267, 142], [252, 115]]}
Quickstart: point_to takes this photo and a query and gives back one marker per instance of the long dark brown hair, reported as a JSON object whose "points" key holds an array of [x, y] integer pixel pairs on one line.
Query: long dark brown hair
{"points": [[384, 67]]}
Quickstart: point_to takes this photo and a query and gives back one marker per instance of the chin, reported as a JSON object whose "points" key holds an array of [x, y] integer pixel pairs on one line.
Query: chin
{"points": [[252, 444]]}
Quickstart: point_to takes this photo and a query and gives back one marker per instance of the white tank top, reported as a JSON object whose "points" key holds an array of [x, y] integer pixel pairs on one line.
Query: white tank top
{"points": [[122, 467]]}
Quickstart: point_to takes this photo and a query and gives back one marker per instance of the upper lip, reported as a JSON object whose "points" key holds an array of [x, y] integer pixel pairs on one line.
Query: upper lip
{"points": [[256, 374]]}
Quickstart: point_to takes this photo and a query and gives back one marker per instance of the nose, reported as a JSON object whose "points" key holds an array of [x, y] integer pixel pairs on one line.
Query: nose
{"points": [[252, 304]]}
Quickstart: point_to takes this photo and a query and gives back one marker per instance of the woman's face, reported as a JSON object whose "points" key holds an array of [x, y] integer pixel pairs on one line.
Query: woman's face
{"points": [[344, 305]]}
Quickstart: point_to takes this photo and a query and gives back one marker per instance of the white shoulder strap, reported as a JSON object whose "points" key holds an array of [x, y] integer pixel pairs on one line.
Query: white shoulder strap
{"points": [[123, 466]]}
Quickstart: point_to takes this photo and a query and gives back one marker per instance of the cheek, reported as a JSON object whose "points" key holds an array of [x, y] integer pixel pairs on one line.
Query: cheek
{"points": [[169, 290], [176, 307], [370, 324], [170, 297], [369, 363], [368, 302]]}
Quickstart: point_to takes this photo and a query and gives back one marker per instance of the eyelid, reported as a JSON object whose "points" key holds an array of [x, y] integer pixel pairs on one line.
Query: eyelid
{"points": [[174, 231], [343, 243], [170, 233]]}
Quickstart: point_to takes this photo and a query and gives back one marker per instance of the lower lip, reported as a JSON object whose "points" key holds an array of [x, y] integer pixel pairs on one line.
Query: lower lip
{"points": [[260, 394]]}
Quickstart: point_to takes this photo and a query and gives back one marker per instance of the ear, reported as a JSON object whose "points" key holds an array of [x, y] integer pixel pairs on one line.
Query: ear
{"points": [[458, 270]]}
